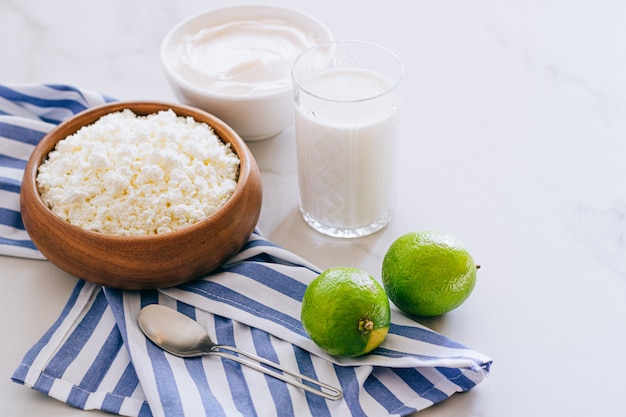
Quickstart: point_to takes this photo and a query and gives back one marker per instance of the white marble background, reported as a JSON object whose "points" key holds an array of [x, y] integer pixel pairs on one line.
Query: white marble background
{"points": [[513, 138]]}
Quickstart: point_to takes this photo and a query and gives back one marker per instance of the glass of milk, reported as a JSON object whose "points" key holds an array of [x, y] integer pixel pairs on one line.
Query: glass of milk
{"points": [[346, 98]]}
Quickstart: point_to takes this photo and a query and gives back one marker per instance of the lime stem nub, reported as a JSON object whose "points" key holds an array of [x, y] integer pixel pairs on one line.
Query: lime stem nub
{"points": [[366, 325]]}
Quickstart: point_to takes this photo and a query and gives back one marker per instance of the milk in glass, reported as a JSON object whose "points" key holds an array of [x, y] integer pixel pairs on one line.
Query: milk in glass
{"points": [[346, 125]]}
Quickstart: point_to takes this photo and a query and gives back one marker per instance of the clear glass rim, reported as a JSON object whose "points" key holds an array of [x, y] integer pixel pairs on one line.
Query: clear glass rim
{"points": [[297, 85]]}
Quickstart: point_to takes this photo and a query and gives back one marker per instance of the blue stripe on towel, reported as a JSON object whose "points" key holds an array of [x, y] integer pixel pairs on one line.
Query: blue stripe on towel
{"points": [[163, 374], [351, 388], [20, 134], [128, 382], [457, 377], [14, 163], [391, 354], [390, 402], [110, 348], [97, 370], [10, 184], [270, 278], [214, 291], [420, 384], [234, 372], [209, 401], [28, 244], [34, 351], [317, 404], [11, 218], [77, 339], [27, 106], [196, 369], [125, 387], [278, 389], [16, 96]]}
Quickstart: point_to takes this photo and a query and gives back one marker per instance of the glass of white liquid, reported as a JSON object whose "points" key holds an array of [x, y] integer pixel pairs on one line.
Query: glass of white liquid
{"points": [[346, 98]]}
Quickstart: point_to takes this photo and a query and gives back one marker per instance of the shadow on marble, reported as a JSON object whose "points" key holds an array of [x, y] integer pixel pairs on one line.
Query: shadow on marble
{"points": [[321, 250]]}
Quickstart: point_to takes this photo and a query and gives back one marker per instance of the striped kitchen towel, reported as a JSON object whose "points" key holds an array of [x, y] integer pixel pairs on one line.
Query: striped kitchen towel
{"points": [[95, 357], [27, 113]]}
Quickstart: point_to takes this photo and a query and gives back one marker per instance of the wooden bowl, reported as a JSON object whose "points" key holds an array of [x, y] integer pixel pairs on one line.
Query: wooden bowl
{"points": [[142, 262]]}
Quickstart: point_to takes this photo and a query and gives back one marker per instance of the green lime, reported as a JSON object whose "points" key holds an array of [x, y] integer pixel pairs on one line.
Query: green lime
{"points": [[345, 312], [428, 273]]}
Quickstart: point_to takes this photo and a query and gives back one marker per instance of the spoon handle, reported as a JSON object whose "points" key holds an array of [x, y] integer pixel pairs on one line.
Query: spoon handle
{"points": [[324, 390]]}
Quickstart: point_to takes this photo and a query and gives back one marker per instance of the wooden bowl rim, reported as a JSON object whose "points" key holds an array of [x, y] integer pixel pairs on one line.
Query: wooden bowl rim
{"points": [[223, 131]]}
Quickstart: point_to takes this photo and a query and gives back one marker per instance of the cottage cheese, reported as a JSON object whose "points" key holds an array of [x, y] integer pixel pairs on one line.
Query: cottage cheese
{"points": [[131, 175]]}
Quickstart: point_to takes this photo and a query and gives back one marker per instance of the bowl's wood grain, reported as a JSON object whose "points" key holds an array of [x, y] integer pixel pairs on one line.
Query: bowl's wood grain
{"points": [[155, 261]]}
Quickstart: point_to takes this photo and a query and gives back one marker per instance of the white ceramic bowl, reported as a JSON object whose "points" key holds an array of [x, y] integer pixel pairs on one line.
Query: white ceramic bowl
{"points": [[253, 116]]}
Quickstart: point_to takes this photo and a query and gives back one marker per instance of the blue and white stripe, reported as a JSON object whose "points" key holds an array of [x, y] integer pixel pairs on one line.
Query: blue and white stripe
{"points": [[95, 356], [27, 113]]}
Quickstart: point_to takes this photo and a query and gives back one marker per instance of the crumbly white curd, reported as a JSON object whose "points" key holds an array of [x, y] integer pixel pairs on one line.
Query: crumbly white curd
{"points": [[241, 57], [132, 175]]}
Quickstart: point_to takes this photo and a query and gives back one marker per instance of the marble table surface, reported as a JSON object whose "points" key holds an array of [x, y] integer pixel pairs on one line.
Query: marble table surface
{"points": [[513, 139]]}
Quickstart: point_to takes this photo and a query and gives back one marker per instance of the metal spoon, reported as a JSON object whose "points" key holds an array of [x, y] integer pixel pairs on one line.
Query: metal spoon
{"points": [[182, 336]]}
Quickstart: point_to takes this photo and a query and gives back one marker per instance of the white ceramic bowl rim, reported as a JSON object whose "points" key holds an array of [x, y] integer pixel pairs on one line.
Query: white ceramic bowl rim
{"points": [[223, 14]]}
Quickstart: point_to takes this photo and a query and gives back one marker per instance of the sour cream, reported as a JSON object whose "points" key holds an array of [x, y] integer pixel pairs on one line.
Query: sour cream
{"points": [[242, 57]]}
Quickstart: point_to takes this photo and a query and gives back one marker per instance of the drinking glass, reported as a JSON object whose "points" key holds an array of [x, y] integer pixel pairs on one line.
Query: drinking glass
{"points": [[346, 97]]}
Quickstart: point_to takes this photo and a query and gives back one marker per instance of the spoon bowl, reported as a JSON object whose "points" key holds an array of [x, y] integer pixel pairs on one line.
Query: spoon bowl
{"points": [[182, 336]]}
